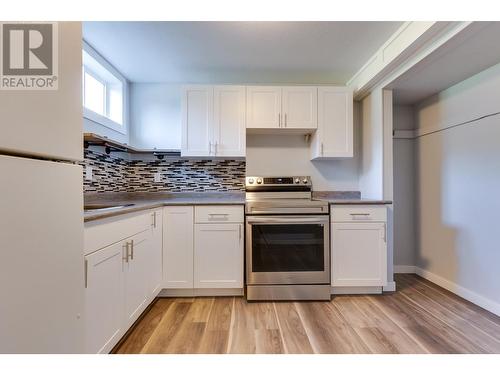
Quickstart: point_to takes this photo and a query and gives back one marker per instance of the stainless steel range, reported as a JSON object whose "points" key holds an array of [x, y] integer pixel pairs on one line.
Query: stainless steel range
{"points": [[287, 240]]}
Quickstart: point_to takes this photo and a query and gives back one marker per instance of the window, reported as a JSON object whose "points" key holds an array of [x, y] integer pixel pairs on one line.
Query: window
{"points": [[103, 91]]}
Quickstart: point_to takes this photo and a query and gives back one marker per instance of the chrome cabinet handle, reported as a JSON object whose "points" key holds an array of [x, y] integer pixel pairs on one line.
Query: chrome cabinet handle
{"points": [[216, 147], [385, 233], [154, 219], [285, 120], [210, 148], [218, 216], [239, 231], [132, 250], [321, 148], [279, 120], [86, 268], [287, 219], [126, 252]]}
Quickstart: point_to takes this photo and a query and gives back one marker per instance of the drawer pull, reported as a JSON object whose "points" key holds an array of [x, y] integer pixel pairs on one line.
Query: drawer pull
{"points": [[360, 214]]}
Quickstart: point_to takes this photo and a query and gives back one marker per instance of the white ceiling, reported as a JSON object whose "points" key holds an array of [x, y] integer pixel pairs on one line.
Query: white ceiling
{"points": [[238, 52], [471, 51]]}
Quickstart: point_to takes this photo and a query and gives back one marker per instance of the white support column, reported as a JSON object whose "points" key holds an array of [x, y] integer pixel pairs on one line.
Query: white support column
{"points": [[388, 182]]}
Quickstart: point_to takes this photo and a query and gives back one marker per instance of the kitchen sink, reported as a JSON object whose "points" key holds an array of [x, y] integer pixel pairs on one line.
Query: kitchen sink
{"points": [[101, 207]]}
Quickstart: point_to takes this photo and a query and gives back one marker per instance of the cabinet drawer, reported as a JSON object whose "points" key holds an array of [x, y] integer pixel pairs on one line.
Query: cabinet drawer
{"points": [[219, 214], [358, 213], [101, 233]]}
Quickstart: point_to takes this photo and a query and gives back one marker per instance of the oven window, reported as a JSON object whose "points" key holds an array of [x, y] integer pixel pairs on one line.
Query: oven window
{"points": [[287, 248]]}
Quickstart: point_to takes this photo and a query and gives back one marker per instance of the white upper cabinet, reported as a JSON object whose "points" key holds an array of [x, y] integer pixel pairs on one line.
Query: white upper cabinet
{"points": [[213, 121], [334, 137], [287, 107], [229, 130], [299, 107], [263, 107], [197, 118]]}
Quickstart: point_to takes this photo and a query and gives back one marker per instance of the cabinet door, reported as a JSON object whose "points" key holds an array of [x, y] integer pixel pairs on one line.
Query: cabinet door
{"points": [[263, 107], [178, 247], [136, 276], [300, 107], [334, 137], [104, 298], [359, 254], [156, 255], [197, 117], [218, 259], [229, 121]]}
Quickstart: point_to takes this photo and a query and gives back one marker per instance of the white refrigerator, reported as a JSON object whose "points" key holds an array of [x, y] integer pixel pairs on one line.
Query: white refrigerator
{"points": [[41, 210]]}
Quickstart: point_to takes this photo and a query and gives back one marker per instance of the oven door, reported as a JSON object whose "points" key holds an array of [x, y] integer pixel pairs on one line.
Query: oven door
{"points": [[288, 250]]}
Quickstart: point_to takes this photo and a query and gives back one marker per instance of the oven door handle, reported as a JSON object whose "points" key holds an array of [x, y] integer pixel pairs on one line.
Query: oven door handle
{"points": [[287, 220]]}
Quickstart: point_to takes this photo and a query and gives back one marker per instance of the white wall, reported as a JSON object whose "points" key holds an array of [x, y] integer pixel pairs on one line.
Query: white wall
{"points": [[371, 161], [458, 181], [375, 171], [271, 155], [155, 112], [404, 188]]}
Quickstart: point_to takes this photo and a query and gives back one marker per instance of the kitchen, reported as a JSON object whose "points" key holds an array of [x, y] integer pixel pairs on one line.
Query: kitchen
{"points": [[205, 189]]}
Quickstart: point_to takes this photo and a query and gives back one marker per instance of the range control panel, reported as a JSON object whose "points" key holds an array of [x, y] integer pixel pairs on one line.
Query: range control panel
{"points": [[278, 181]]}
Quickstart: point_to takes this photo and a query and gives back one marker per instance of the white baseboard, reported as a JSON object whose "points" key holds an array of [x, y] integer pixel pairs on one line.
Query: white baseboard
{"points": [[356, 290], [404, 269], [465, 293], [390, 287], [192, 292]]}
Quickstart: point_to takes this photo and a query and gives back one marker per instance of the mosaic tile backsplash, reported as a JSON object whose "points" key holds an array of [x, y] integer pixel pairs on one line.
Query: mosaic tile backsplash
{"points": [[114, 174]]}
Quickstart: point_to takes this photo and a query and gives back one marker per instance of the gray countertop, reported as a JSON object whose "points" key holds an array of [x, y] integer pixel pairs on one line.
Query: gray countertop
{"points": [[144, 201], [346, 197]]}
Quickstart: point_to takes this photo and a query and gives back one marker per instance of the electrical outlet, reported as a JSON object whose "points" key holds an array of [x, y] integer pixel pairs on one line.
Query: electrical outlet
{"points": [[157, 177], [88, 173]]}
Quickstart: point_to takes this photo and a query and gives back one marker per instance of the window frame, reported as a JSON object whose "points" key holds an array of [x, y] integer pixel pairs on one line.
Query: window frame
{"points": [[90, 72], [98, 118]]}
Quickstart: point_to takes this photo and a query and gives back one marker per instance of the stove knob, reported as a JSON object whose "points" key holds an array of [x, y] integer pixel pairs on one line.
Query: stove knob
{"points": [[297, 180], [259, 180], [305, 181], [250, 180]]}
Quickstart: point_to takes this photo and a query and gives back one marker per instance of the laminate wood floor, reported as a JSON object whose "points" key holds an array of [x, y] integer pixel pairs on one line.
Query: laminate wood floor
{"points": [[419, 317]]}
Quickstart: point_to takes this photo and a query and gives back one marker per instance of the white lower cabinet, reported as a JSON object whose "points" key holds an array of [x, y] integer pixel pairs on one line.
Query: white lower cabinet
{"points": [[218, 256], [104, 298], [203, 248], [121, 279], [138, 251], [358, 246], [178, 222], [156, 259]]}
